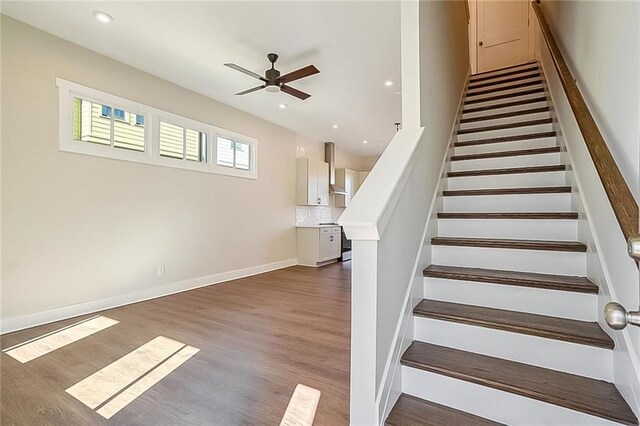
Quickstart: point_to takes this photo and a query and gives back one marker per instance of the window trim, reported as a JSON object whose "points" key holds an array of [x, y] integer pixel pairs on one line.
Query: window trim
{"points": [[67, 91]]}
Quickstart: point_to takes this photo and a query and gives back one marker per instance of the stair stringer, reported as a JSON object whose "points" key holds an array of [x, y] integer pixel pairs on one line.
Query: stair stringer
{"points": [[391, 387], [607, 261]]}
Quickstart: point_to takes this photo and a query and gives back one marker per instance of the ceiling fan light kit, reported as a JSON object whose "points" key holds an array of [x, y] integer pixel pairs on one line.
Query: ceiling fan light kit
{"points": [[275, 82]]}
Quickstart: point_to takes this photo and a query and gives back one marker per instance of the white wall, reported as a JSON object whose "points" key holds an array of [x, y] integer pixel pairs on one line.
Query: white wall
{"points": [[81, 231], [600, 41], [608, 264]]}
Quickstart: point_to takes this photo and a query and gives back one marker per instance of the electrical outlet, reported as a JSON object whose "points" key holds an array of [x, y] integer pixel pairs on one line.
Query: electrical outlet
{"points": [[160, 270], [266, 254]]}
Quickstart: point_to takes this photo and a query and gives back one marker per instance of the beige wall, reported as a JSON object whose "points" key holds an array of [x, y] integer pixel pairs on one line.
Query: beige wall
{"points": [[78, 228], [600, 41], [443, 69]]}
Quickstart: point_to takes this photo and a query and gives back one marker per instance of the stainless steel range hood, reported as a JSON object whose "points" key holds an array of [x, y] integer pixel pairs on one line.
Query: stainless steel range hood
{"points": [[330, 157]]}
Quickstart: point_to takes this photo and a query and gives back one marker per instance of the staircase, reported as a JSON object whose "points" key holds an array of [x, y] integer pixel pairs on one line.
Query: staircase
{"points": [[507, 332]]}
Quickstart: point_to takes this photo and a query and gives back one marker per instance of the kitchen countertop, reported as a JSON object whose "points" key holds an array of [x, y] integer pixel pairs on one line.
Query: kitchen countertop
{"points": [[316, 226]]}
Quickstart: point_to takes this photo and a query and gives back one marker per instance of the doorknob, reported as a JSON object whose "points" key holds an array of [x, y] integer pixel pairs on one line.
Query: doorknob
{"points": [[633, 244], [617, 316], [481, 43]]}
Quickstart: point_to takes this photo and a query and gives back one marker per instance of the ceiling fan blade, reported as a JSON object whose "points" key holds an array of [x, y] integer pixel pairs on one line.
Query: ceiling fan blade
{"points": [[251, 90], [246, 71], [298, 74], [294, 92]]}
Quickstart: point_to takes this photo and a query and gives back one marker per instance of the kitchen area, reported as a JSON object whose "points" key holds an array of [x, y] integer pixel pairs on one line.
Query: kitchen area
{"points": [[322, 193]]}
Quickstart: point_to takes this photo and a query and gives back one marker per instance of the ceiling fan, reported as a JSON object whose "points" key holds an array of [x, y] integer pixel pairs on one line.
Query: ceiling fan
{"points": [[274, 82]]}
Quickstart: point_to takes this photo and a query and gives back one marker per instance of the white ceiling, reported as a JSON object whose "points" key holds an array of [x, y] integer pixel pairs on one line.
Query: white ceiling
{"points": [[354, 44]]}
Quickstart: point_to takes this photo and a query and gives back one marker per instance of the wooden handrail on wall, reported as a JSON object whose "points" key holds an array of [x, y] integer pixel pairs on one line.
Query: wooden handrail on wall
{"points": [[624, 205]]}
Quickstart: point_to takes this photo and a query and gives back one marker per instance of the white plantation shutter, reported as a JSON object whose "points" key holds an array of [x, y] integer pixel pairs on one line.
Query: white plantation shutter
{"points": [[225, 155], [243, 153], [232, 153], [182, 143]]}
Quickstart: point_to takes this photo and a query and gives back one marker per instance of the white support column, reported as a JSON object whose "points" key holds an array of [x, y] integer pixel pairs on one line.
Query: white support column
{"points": [[364, 411], [410, 63]]}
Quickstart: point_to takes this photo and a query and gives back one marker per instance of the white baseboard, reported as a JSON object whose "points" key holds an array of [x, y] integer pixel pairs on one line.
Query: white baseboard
{"points": [[21, 322]]}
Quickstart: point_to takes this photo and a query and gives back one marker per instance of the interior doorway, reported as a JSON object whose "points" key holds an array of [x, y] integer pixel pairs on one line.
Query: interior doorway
{"points": [[499, 34]]}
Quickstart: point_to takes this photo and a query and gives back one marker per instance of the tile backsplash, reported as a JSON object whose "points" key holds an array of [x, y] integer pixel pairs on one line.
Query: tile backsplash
{"points": [[312, 215]]}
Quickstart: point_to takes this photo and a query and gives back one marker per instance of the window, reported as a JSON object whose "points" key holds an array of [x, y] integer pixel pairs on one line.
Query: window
{"points": [[106, 111], [119, 114], [92, 122], [182, 143], [100, 124], [233, 153]]}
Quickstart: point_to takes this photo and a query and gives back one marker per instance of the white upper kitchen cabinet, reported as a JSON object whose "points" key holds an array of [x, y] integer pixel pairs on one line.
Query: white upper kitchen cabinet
{"points": [[312, 182]]}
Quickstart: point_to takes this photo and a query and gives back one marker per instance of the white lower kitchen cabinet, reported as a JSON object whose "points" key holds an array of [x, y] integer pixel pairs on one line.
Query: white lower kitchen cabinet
{"points": [[318, 245]]}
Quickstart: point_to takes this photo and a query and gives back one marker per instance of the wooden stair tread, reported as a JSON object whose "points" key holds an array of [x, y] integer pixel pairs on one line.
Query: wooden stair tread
{"points": [[505, 96], [501, 139], [413, 411], [505, 105], [510, 215], [543, 245], [590, 396], [501, 88], [507, 191], [508, 171], [527, 75], [506, 126], [523, 68], [513, 153], [567, 330], [505, 115], [516, 278]]}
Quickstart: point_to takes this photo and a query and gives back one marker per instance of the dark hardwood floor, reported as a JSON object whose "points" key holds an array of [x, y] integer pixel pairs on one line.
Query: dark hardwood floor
{"points": [[258, 337]]}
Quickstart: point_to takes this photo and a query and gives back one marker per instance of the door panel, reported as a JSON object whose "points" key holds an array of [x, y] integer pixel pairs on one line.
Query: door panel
{"points": [[503, 33]]}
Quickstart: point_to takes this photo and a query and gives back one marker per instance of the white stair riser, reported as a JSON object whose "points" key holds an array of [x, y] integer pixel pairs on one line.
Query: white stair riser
{"points": [[509, 203], [500, 110], [532, 229], [507, 146], [525, 130], [498, 102], [504, 73], [569, 357], [490, 403], [555, 303], [520, 180], [504, 91], [541, 261], [504, 83], [550, 159], [506, 120]]}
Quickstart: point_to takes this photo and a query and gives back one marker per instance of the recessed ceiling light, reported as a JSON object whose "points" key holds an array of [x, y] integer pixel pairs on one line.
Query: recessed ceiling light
{"points": [[103, 17], [283, 106], [388, 83], [365, 141], [335, 126]]}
